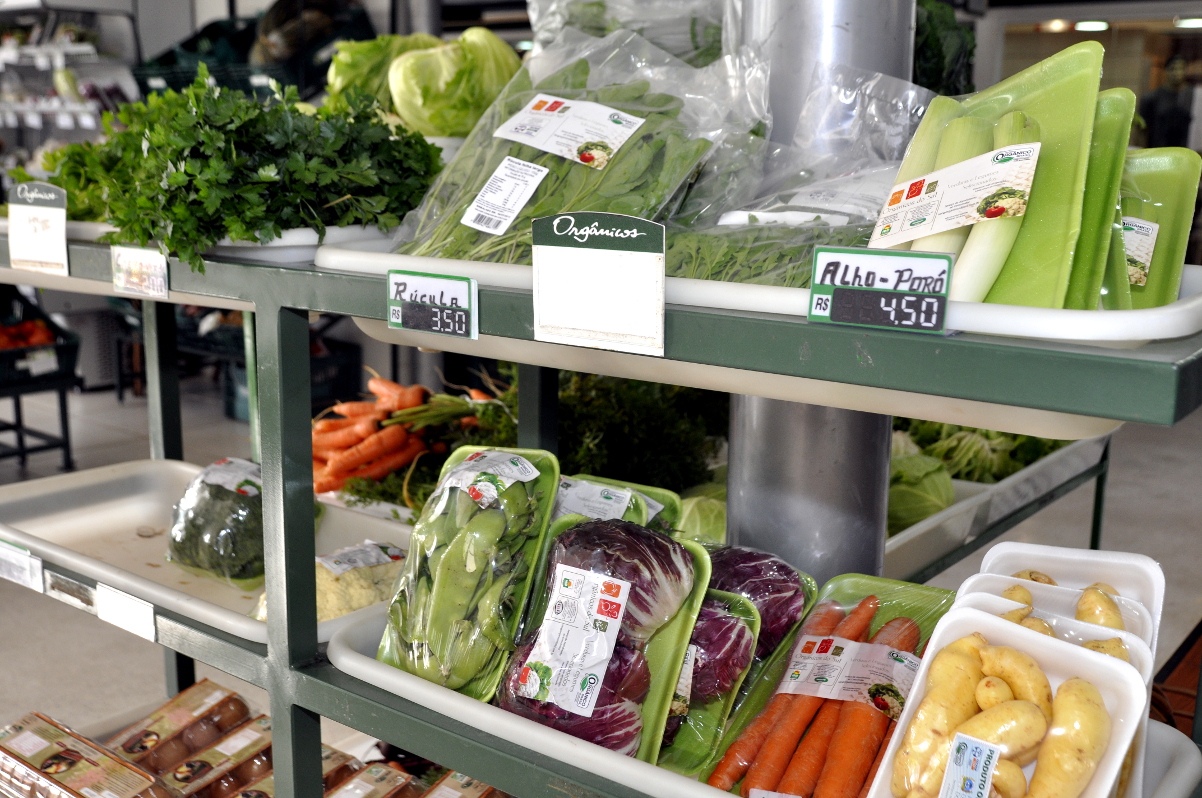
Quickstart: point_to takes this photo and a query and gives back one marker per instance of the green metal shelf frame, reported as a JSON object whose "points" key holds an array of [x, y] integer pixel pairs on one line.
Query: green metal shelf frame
{"points": [[1160, 383]]}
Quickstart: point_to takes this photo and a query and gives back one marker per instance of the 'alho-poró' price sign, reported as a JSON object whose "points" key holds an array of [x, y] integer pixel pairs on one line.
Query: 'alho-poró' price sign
{"points": [[434, 303], [37, 228], [884, 289]]}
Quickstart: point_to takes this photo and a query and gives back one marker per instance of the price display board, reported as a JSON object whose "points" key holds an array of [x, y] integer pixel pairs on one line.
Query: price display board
{"points": [[139, 272], [880, 288], [37, 228], [433, 303]]}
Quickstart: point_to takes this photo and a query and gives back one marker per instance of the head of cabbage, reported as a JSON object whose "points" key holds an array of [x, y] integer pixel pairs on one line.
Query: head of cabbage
{"points": [[364, 64], [919, 487], [444, 90], [702, 519]]}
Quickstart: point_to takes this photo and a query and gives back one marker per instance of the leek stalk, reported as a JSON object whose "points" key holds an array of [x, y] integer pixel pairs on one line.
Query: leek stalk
{"points": [[963, 138], [924, 147]]}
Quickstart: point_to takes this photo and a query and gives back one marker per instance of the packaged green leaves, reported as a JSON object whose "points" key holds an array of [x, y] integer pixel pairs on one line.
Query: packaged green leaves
{"points": [[1159, 190], [465, 583], [217, 526], [611, 124]]}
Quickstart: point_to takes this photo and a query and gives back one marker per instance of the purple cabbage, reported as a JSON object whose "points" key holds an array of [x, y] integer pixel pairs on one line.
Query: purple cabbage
{"points": [[659, 570], [769, 583], [724, 647]]}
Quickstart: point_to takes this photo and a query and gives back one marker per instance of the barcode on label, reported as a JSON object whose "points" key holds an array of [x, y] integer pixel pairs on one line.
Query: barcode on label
{"points": [[490, 222]]}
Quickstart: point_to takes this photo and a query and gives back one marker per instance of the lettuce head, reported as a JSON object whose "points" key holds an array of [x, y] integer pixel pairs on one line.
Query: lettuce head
{"points": [[364, 64], [919, 487]]}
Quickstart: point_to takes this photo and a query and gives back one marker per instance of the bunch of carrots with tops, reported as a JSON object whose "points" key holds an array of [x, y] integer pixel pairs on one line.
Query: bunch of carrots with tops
{"points": [[808, 746]]}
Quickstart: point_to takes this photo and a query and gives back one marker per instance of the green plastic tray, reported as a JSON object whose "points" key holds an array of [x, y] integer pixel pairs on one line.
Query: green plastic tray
{"points": [[925, 605], [671, 501], [697, 739], [1161, 185]]}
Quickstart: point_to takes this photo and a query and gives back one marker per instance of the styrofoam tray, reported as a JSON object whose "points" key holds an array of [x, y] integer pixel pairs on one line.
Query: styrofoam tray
{"points": [[1135, 576], [921, 544], [88, 521], [1041, 476], [1121, 687], [1174, 763], [1062, 601], [352, 650], [298, 245]]}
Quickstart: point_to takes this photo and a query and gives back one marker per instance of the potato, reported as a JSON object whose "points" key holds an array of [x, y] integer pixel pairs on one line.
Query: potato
{"points": [[1021, 672], [1009, 780], [1018, 593], [1105, 588], [1017, 614], [1095, 606], [949, 701], [1079, 734], [1034, 576], [1038, 625], [993, 690], [1015, 727], [1114, 647]]}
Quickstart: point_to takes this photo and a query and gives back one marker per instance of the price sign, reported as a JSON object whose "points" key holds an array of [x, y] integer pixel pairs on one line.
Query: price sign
{"points": [[125, 611], [18, 565], [433, 303], [37, 228], [140, 272], [880, 288], [599, 282]]}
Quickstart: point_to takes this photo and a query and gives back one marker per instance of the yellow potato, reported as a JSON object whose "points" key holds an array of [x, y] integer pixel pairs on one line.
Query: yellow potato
{"points": [[1079, 734], [1009, 780], [1015, 727], [1034, 576], [1021, 672], [1114, 647], [993, 690], [1017, 614], [1105, 588], [949, 701], [1095, 606], [1018, 593], [1039, 625]]}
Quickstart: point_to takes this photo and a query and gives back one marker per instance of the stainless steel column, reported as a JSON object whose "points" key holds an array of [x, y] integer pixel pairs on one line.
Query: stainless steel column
{"points": [[810, 484], [797, 34]]}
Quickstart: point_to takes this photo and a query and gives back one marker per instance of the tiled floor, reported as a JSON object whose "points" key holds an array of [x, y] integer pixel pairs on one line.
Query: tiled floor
{"points": [[70, 665]]}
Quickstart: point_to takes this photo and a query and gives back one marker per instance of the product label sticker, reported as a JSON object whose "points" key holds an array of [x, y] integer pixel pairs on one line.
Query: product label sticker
{"points": [[20, 566], [434, 303], [68, 591], [139, 272], [37, 228], [458, 785], [125, 611], [581, 131], [504, 195], [234, 473], [363, 555], [374, 780], [485, 474], [603, 502], [990, 186], [576, 640], [236, 742], [653, 507], [832, 667], [39, 362], [683, 692], [26, 744], [970, 766], [69, 760], [1139, 239]]}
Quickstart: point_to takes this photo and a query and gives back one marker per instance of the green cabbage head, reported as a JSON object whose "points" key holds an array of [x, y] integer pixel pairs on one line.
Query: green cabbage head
{"points": [[702, 519], [919, 487], [444, 90], [364, 64]]}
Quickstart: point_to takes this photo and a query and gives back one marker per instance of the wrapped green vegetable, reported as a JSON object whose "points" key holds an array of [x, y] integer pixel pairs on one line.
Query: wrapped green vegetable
{"points": [[919, 487], [703, 519], [364, 64], [466, 580]]}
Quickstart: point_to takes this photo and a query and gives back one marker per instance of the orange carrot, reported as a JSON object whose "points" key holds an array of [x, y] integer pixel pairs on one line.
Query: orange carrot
{"points": [[858, 620], [412, 396], [318, 466], [375, 446], [331, 424], [345, 437], [479, 396], [378, 469], [742, 752], [355, 408], [876, 764], [469, 421], [862, 727], [384, 388], [806, 765], [323, 482]]}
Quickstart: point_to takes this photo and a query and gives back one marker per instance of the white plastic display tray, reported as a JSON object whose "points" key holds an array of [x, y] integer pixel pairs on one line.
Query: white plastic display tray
{"points": [[353, 648], [295, 246], [1173, 766], [1121, 687], [942, 533], [1112, 328], [1041, 476], [88, 521]]}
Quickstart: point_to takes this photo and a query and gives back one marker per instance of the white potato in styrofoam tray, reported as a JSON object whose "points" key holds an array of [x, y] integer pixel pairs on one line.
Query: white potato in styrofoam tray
{"points": [[1062, 601], [1120, 684], [1135, 576]]}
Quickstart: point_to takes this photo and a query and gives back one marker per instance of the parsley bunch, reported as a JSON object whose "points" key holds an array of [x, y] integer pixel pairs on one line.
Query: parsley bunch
{"points": [[209, 162]]}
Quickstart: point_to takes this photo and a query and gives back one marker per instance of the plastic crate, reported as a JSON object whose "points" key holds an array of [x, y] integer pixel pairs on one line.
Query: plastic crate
{"points": [[14, 363]]}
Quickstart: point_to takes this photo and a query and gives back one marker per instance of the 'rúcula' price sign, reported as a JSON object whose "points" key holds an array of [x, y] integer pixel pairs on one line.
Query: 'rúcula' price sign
{"points": [[884, 289], [433, 303], [139, 272], [599, 282], [37, 228]]}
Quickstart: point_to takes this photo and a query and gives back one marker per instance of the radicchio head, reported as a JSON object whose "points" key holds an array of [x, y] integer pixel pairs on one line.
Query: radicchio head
{"points": [[769, 583]]}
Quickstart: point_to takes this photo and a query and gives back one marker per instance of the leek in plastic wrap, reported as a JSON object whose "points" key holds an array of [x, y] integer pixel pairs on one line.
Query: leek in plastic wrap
{"points": [[675, 113], [465, 583], [1159, 190]]}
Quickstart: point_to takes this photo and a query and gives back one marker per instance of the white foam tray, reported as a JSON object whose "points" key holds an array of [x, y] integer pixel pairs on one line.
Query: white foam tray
{"points": [[298, 245], [1041, 476], [352, 650], [921, 544], [87, 521], [1120, 684], [1111, 328], [1174, 763]]}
